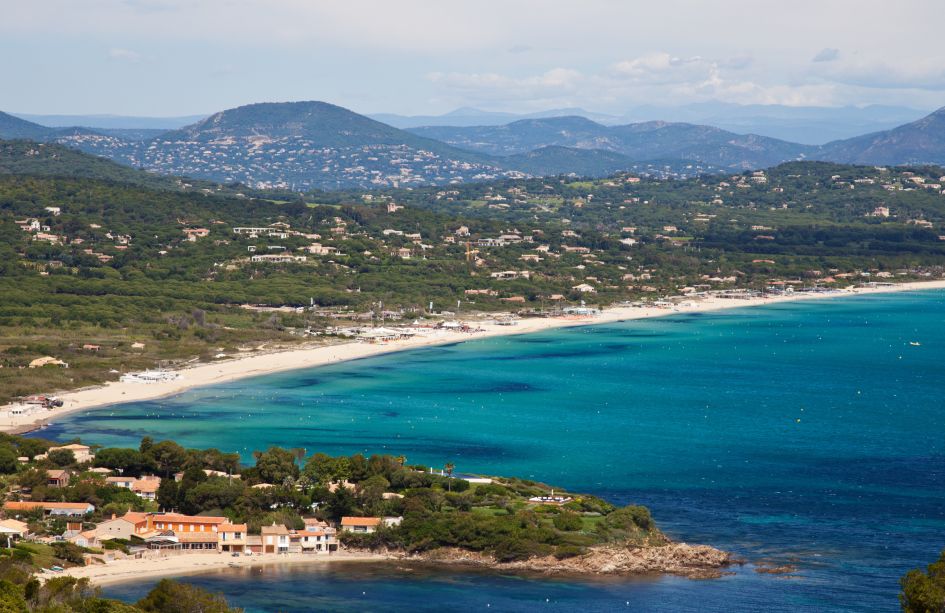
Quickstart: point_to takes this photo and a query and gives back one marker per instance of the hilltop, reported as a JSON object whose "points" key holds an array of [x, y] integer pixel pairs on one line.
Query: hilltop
{"points": [[919, 142], [299, 146]]}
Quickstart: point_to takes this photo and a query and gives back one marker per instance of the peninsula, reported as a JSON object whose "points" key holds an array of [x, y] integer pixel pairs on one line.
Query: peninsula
{"points": [[116, 514]]}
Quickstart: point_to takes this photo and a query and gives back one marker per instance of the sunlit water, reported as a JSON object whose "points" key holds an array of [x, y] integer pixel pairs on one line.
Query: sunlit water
{"points": [[810, 433]]}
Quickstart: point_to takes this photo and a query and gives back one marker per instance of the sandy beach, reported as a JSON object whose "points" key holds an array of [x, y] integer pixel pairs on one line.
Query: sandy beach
{"points": [[180, 565], [307, 357]]}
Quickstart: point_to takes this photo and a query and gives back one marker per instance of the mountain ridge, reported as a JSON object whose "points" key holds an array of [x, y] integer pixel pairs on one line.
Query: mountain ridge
{"points": [[314, 144]]}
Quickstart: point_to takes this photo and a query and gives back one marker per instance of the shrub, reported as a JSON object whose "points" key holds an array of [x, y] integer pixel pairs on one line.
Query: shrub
{"points": [[568, 521]]}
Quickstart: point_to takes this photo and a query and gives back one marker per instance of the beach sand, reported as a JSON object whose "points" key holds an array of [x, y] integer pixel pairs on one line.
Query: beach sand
{"points": [[183, 564], [306, 357]]}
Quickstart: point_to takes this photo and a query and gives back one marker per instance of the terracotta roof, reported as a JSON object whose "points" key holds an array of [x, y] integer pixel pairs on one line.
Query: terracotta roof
{"points": [[191, 519], [56, 473], [196, 537], [13, 524], [233, 528], [360, 521], [30, 505], [135, 517], [311, 533], [274, 529], [149, 485]]}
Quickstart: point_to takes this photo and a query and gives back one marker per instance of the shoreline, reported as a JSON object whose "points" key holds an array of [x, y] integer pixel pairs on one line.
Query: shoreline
{"points": [[206, 374], [176, 566], [679, 559]]}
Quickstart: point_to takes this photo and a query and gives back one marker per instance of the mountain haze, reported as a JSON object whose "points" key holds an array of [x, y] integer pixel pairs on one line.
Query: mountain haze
{"points": [[919, 142]]}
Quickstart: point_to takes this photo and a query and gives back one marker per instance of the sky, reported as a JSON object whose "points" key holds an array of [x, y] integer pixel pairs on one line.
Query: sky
{"points": [[179, 57]]}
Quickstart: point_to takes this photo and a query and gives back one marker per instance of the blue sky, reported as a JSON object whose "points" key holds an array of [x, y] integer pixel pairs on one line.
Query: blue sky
{"points": [[177, 57]]}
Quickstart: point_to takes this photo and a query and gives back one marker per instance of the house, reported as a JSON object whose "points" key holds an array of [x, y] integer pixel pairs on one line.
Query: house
{"points": [[85, 538], [146, 487], [57, 509], [90, 347], [193, 234], [360, 525], [232, 537], [275, 538], [57, 478], [124, 482], [13, 529], [81, 453], [278, 258], [584, 288], [47, 361], [115, 528], [319, 249], [317, 541]]}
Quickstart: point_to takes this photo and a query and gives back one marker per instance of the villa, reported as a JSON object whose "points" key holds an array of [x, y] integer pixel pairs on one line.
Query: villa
{"points": [[360, 525]]}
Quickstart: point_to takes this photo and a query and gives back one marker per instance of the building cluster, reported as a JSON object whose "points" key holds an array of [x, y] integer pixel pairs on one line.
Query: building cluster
{"points": [[291, 162]]}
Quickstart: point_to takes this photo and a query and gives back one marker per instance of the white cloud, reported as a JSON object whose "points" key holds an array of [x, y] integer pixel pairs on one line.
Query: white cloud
{"points": [[926, 73], [652, 78]]}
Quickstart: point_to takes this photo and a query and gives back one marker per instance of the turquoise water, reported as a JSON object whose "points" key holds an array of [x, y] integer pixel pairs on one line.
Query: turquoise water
{"points": [[806, 432]]}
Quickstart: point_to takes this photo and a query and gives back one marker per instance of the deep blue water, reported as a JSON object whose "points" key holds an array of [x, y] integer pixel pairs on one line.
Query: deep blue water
{"points": [[806, 432]]}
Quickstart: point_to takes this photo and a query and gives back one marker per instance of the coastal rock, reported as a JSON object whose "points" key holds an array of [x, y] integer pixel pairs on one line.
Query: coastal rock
{"points": [[693, 561]]}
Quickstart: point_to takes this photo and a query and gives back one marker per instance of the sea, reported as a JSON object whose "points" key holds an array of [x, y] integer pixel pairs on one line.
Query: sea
{"points": [[809, 434]]}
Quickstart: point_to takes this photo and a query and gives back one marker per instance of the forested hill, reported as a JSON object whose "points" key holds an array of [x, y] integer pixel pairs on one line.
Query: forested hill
{"points": [[106, 261], [24, 157]]}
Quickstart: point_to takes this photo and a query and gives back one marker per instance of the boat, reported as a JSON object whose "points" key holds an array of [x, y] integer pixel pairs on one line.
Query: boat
{"points": [[915, 343]]}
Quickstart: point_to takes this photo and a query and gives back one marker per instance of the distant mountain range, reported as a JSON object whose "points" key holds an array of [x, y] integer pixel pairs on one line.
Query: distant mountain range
{"points": [[639, 141], [809, 125], [305, 145], [111, 122]]}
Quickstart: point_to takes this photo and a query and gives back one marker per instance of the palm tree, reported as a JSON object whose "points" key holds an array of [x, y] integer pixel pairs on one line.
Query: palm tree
{"points": [[449, 471]]}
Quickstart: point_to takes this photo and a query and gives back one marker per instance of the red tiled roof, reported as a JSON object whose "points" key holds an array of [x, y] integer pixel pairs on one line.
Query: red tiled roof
{"points": [[30, 505], [360, 521]]}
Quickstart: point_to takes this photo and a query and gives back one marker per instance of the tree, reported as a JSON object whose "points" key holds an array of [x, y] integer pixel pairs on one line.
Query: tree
{"points": [[8, 461], [217, 493], [341, 503], [449, 473], [31, 447], [11, 598], [168, 456], [61, 457], [275, 464], [167, 494], [924, 592], [128, 461], [32, 478], [371, 491], [173, 597]]}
